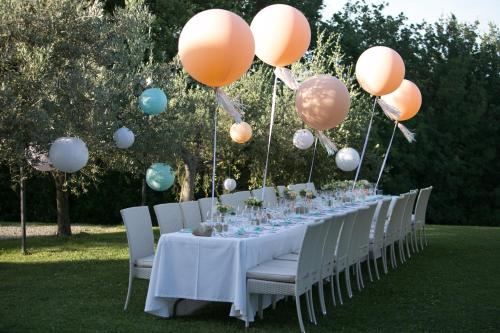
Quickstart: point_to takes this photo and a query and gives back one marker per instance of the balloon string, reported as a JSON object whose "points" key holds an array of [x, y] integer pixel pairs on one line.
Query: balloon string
{"points": [[273, 108], [365, 144], [312, 162], [214, 164], [386, 154]]}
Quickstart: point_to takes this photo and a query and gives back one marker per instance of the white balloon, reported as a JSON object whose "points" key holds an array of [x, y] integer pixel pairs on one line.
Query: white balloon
{"points": [[229, 184], [303, 139], [38, 160], [124, 138], [68, 154], [347, 159]]}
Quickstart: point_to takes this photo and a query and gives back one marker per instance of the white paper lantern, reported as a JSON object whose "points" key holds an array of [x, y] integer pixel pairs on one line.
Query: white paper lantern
{"points": [[347, 159], [303, 139], [229, 184], [38, 160], [124, 138], [68, 154]]}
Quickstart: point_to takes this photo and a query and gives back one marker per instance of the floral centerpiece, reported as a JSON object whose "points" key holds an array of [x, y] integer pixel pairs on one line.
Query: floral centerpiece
{"points": [[290, 195], [302, 193], [310, 195], [223, 209], [253, 202]]}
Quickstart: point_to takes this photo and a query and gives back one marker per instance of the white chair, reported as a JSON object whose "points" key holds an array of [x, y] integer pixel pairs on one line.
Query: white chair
{"points": [[140, 244], [236, 199], [406, 228], [206, 207], [281, 190], [191, 213], [392, 231], [377, 235], [342, 252], [269, 198], [297, 187], [364, 241], [169, 217], [292, 278], [356, 242], [418, 219]]}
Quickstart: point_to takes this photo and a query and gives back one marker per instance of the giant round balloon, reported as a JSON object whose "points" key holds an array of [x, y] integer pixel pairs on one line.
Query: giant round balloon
{"points": [[347, 159], [303, 139], [68, 154], [124, 138], [240, 132], [322, 101], [160, 176], [406, 98], [282, 35], [229, 184], [216, 47], [38, 160], [153, 101], [380, 70]]}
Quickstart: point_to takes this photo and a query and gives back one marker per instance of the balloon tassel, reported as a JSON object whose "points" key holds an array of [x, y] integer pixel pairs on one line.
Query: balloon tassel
{"points": [[273, 108], [390, 111], [365, 144], [214, 164], [229, 106], [330, 147], [286, 75], [409, 135], [386, 155], [312, 162]]}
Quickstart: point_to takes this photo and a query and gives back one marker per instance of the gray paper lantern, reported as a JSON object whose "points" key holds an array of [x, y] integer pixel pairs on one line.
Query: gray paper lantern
{"points": [[68, 154], [124, 138]]}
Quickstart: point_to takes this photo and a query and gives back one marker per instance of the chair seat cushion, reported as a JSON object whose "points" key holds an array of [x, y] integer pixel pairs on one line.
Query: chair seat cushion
{"points": [[289, 256], [145, 261], [274, 270]]}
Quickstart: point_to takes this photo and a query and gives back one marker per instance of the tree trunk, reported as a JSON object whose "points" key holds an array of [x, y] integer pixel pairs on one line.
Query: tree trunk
{"points": [[143, 192], [22, 199], [190, 169], [62, 199]]}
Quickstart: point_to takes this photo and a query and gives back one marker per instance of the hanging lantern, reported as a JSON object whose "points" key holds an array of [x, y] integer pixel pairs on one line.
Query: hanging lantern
{"points": [[229, 184], [153, 101], [38, 160], [347, 159], [68, 154], [240, 132], [303, 139], [124, 138], [160, 176]]}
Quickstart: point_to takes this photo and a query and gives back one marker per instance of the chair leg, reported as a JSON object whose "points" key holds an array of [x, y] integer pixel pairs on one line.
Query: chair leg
{"points": [[332, 288], [129, 291], [425, 234], [299, 314], [312, 307], [376, 266], [395, 262], [384, 259], [401, 252], [421, 233], [360, 273], [308, 304], [369, 269], [273, 299], [321, 293], [337, 282], [247, 320], [261, 310], [414, 241], [410, 235], [348, 281], [356, 271], [407, 246]]}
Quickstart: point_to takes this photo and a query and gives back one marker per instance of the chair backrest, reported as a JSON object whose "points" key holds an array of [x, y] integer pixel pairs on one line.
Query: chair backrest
{"points": [[345, 238], [206, 208], [236, 199], [139, 232], [309, 256], [269, 199], [332, 238], [191, 214], [310, 187], [380, 219], [364, 229], [421, 206], [406, 224], [169, 216], [394, 223], [297, 187], [357, 233], [281, 190]]}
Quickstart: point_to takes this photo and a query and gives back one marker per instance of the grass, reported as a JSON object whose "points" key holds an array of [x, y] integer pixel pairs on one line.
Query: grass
{"points": [[79, 285]]}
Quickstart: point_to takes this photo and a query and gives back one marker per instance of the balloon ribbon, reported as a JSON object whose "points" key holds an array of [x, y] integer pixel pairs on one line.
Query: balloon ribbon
{"points": [[227, 105], [312, 162], [273, 109], [214, 164]]}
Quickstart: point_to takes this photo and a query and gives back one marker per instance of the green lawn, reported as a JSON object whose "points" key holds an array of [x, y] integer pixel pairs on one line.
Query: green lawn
{"points": [[79, 285]]}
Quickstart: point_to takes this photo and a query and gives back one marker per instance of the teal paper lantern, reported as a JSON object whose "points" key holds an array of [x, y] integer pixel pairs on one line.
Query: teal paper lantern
{"points": [[153, 101], [160, 177]]}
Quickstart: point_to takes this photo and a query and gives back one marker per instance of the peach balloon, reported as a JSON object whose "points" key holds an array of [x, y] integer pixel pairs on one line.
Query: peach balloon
{"points": [[380, 70], [240, 132], [322, 101], [407, 99], [282, 35], [216, 47]]}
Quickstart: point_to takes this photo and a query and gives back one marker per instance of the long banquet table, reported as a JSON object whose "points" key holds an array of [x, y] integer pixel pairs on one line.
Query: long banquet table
{"points": [[214, 268]]}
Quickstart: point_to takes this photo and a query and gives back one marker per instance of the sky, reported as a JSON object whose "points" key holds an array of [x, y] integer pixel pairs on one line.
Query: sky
{"points": [[431, 10]]}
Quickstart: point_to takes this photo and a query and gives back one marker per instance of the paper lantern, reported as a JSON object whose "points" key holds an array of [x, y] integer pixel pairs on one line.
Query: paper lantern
{"points": [[68, 154], [216, 47], [303, 139], [406, 98], [153, 101], [282, 35], [347, 159], [240, 132], [322, 101], [229, 184], [124, 138], [38, 160], [160, 176], [380, 70]]}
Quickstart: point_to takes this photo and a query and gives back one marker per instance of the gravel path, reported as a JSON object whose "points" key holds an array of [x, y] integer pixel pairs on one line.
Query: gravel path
{"points": [[14, 231]]}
